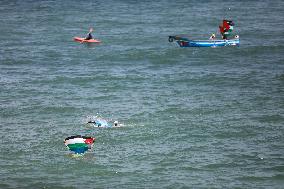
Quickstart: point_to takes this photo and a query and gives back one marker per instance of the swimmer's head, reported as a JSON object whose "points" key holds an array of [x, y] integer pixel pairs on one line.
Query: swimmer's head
{"points": [[115, 123]]}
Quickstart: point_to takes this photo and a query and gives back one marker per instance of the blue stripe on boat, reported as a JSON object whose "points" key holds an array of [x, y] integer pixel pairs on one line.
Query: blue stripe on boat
{"points": [[208, 43]]}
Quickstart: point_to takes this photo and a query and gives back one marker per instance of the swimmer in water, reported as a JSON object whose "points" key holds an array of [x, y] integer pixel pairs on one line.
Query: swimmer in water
{"points": [[94, 122], [103, 123]]}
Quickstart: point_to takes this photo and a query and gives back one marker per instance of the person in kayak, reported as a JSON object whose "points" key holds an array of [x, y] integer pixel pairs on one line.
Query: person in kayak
{"points": [[89, 35]]}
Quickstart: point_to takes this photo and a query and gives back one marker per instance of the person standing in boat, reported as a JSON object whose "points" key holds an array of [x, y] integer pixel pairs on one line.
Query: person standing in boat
{"points": [[213, 36], [226, 28], [89, 35]]}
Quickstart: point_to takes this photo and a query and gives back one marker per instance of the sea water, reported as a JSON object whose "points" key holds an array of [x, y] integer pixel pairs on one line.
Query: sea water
{"points": [[192, 117]]}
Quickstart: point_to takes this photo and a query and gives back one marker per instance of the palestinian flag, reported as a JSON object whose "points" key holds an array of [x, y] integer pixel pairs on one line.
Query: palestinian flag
{"points": [[79, 144], [226, 28]]}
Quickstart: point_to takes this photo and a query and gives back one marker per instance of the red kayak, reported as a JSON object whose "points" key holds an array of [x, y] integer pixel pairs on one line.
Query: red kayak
{"points": [[83, 40]]}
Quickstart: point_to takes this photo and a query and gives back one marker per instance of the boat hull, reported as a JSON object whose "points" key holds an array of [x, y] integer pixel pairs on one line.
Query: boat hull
{"points": [[184, 42], [83, 40]]}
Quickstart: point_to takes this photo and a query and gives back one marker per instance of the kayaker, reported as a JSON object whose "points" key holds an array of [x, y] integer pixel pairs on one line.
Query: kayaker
{"points": [[89, 35]]}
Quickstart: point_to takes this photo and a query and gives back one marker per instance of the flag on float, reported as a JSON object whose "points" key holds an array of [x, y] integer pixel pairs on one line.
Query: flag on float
{"points": [[79, 144]]}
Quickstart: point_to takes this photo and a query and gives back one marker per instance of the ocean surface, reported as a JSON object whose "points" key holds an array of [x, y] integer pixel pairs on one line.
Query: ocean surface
{"points": [[192, 117]]}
